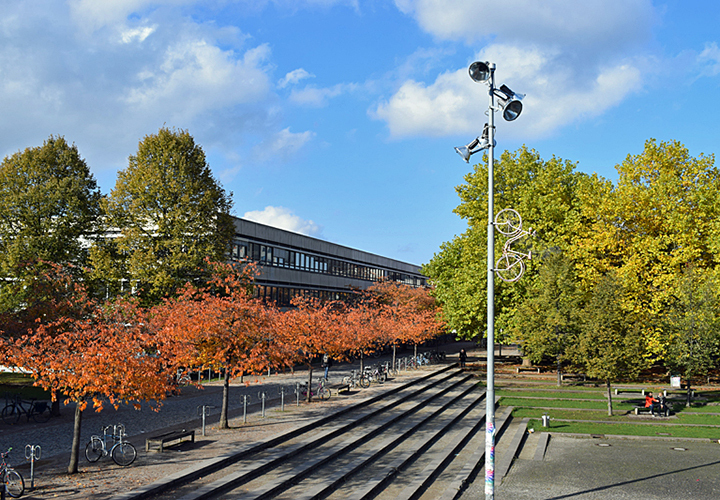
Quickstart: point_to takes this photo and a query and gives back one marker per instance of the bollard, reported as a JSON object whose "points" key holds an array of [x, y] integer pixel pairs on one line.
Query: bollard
{"points": [[282, 398], [245, 402], [297, 392], [546, 420], [262, 396], [204, 411], [32, 454]]}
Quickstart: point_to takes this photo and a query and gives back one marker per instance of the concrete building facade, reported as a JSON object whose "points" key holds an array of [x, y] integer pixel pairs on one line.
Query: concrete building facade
{"points": [[294, 264]]}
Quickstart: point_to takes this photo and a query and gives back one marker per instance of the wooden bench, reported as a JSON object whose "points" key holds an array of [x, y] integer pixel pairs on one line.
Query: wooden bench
{"points": [[174, 437], [338, 388], [528, 369], [641, 409]]}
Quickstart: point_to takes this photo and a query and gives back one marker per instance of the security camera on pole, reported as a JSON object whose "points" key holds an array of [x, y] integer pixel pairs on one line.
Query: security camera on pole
{"points": [[505, 100]]}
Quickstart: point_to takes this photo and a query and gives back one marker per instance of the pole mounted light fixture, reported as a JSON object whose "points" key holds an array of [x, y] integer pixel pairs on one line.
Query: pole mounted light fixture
{"points": [[509, 103]]}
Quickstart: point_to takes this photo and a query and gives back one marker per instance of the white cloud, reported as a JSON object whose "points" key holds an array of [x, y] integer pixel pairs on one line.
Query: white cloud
{"points": [[574, 60], [137, 34], [202, 77], [563, 22], [709, 60], [556, 96], [294, 77], [91, 15], [319, 97], [284, 144], [284, 218]]}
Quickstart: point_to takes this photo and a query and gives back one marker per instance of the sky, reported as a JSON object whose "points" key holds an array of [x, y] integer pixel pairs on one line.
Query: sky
{"points": [[338, 118]]}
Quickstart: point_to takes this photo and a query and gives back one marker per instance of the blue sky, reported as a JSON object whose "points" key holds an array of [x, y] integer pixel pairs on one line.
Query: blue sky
{"points": [[338, 118]]}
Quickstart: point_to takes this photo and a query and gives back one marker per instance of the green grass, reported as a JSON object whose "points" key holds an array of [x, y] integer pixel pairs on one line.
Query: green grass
{"points": [[627, 429], [22, 384], [555, 403], [682, 418], [553, 394], [590, 417]]}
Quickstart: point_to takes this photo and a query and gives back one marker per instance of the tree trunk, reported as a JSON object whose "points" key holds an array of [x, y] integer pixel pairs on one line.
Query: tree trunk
{"points": [[75, 452], [225, 399], [362, 362], [689, 393], [394, 356], [309, 387], [609, 396], [559, 373]]}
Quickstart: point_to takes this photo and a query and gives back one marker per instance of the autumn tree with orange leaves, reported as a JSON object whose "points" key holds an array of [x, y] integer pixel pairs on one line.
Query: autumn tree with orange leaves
{"points": [[106, 355], [408, 315], [220, 326], [309, 330]]}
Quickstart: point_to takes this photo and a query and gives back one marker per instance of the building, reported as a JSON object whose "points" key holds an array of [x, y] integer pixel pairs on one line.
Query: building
{"points": [[294, 264]]}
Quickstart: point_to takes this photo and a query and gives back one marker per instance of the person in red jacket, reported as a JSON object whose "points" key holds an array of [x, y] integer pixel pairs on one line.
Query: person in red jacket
{"points": [[650, 401]]}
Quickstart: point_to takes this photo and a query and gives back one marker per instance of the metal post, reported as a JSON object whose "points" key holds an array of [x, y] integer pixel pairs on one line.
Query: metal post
{"points": [[282, 398], [32, 453], [490, 394], [245, 402], [297, 392], [261, 397], [204, 411]]}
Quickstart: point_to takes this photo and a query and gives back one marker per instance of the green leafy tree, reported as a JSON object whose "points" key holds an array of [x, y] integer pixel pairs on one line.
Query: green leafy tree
{"points": [[609, 346], [662, 215], [691, 324], [49, 206], [547, 196], [170, 215], [548, 320]]}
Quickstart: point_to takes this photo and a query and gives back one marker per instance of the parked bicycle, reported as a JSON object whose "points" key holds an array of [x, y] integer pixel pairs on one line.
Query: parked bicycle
{"points": [[322, 391], [10, 479], [113, 444], [376, 373], [39, 411], [356, 379]]}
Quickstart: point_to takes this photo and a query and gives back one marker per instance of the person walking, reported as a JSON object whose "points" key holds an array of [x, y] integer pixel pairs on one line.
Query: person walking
{"points": [[326, 363], [463, 358]]}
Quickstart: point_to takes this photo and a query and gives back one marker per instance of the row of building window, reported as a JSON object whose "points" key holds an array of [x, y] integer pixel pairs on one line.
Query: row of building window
{"points": [[282, 296], [280, 257]]}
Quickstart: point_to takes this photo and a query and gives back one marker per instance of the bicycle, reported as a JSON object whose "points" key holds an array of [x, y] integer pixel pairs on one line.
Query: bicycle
{"points": [[322, 391], [354, 380], [122, 452], [38, 410], [511, 266], [10, 479]]}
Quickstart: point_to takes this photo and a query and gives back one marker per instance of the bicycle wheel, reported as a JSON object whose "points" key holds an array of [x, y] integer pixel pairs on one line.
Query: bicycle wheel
{"points": [[508, 222], [324, 393], [364, 381], [123, 454], [11, 414], [41, 412], [94, 449], [14, 483], [510, 267]]}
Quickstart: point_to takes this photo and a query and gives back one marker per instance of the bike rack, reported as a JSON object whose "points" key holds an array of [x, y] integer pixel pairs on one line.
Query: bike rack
{"points": [[32, 455], [205, 412]]}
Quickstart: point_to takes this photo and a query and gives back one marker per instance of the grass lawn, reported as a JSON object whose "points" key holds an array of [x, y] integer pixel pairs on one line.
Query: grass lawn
{"points": [[590, 417], [19, 383], [556, 403], [569, 394], [627, 429], [602, 415]]}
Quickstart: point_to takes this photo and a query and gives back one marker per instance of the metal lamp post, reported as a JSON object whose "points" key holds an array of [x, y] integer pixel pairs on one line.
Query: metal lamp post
{"points": [[509, 103]]}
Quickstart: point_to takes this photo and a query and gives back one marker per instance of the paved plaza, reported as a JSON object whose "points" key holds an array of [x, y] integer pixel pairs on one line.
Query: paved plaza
{"points": [[611, 469]]}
